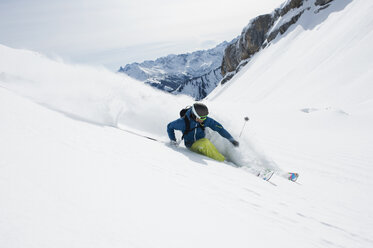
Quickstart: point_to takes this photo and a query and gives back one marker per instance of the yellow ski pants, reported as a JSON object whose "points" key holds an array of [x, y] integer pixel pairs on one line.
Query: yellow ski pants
{"points": [[205, 147]]}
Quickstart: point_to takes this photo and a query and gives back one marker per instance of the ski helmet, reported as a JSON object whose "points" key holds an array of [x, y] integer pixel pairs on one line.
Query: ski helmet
{"points": [[200, 110]]}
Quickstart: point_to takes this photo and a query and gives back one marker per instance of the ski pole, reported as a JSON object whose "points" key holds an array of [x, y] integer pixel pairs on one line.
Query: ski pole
{"points": [[246, 120], [144, 136]]}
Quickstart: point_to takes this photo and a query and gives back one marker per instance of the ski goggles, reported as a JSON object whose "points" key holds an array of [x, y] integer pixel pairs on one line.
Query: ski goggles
{"points": [[203, 117]]}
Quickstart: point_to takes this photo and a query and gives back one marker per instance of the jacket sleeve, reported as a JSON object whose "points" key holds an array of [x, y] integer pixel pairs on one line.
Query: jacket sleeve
{"points": [[216, 126], [178, 124]]}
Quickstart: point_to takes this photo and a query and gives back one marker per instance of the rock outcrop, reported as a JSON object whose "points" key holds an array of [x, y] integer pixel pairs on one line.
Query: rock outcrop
{"points": [[257, 33], [322, 2], [261, 31], [249, 43]]}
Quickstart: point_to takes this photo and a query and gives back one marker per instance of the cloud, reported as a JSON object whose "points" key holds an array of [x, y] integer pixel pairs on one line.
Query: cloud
{"points": [[78, 29]]}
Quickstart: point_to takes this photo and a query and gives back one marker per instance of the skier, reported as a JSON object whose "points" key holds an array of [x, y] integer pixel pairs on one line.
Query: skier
{"points": [[192, 124]]}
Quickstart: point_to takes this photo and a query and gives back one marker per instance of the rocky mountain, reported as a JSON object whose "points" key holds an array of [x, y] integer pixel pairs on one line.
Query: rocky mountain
{"points": [[262, 30], [195, 74]]}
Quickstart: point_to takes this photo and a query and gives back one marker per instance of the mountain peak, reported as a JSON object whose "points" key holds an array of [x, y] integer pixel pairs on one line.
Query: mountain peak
{"points": [[179, 74]]}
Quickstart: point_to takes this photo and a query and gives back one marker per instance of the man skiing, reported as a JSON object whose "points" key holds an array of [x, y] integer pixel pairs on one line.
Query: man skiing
{"points": [[192, 125]]}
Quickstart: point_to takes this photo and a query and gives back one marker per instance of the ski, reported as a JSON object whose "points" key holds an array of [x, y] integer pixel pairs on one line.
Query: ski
{"points": [[292, 176], [265, 174]]}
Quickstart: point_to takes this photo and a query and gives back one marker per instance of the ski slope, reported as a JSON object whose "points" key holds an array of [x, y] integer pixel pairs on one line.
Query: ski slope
{"points": [[71, 176]]}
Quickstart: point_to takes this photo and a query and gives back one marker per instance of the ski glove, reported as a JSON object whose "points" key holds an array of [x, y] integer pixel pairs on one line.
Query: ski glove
{"points": [[235, 143], [174, 143]]}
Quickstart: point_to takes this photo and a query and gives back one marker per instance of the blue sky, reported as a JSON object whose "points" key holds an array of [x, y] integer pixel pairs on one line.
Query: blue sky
{"points": [[115, 32]]}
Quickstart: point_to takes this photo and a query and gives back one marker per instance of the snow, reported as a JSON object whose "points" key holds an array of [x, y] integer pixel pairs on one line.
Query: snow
{"points": [[72, 176], [194, 74]]}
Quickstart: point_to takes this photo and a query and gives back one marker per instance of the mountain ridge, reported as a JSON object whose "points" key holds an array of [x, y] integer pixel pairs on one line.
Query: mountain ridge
{"points": [[180, 74], [184, 73]]}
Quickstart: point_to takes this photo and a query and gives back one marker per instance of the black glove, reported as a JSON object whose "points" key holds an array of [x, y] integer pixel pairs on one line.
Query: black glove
{"points": [[235, 143]]}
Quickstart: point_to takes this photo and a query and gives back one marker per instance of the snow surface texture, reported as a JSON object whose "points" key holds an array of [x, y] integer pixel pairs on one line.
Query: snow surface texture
{"points": [[70, 178]]}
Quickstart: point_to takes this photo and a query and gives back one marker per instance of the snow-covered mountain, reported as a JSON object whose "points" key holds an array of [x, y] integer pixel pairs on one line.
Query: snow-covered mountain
{"points": [[198, 73], [195, 74], [73, 172]]}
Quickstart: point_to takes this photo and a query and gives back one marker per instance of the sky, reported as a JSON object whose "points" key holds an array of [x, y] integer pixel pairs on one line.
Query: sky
{"points": [[113, 32]]}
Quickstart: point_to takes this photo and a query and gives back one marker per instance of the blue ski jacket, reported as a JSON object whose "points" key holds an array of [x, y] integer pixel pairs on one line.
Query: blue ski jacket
{"points": [[197, 131]]}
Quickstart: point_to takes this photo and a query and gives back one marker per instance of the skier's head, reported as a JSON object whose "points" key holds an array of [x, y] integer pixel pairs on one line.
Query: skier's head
{"points": [[199, 111]]}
